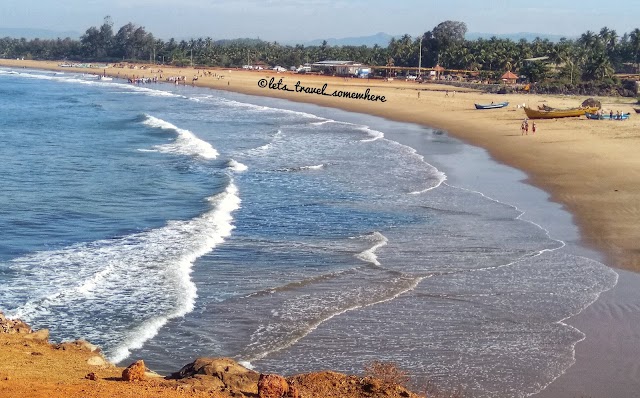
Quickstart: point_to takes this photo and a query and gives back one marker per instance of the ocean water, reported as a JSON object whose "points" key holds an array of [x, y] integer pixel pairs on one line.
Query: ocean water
{"points": [[167, 223]]}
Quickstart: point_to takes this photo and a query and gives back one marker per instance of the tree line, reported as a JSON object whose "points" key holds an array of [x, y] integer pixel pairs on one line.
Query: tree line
{"points": [[591, 57]]}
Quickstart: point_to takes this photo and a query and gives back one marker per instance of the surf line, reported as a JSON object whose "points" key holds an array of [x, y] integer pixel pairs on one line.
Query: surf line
{"points": [[273, 85]]}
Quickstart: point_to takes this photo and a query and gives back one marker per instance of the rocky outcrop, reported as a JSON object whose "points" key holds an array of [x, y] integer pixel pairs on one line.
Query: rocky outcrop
{"points": [[13, 326], [78, 345], [40, 335], [219, 373], [135, 371], [272, 386], [219, 377], [97, 360], [337, 385]]}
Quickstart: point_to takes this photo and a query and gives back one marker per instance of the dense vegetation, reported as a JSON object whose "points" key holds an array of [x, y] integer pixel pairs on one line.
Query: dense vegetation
{"points": [[593, 57]]}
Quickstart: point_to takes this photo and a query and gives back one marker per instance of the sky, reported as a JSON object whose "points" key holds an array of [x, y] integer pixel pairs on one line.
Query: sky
{"points": [[290, 20]]}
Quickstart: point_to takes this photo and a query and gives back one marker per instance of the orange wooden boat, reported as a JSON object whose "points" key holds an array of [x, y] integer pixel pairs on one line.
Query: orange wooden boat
{"points": [[558, 113]]}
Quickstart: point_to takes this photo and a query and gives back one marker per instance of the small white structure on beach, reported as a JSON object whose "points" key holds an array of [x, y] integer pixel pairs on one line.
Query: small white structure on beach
{"points": [[343, 68]]}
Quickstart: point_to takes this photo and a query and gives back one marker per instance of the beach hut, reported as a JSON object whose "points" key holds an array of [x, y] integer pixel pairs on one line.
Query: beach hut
{"points": [[509, 77]]}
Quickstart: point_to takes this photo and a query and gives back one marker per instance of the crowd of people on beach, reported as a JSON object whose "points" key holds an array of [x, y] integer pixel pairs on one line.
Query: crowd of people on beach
{"points": [[179, 79]]}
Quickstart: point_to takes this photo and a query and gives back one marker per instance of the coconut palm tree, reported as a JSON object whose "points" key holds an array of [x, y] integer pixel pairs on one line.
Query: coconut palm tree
{"points": [[634, 42]]}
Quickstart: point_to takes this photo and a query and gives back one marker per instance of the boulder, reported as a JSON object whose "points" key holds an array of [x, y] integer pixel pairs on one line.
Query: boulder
{"points": [[12, 326], [231, 374], [591, 102], [40, 335], [293, 392], [272, 386], [82, 345], [97, 360], [134, 372]]}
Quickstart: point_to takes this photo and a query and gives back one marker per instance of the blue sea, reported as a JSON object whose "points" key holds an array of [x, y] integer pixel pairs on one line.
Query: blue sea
{"points": [[167, 223]]}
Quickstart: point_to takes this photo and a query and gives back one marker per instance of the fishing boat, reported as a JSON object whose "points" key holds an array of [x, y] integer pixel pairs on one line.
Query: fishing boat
{"points": [[492, 105], [105, 78], [558, 113], [606, 116]]}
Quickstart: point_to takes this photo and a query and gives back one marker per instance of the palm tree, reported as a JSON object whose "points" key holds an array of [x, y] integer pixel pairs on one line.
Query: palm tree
{"points": [[634, 41]]}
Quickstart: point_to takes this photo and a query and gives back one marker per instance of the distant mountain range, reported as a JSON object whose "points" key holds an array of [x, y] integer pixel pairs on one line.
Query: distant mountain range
{"points": [[37, 33], [528, 36], [382, 39]]}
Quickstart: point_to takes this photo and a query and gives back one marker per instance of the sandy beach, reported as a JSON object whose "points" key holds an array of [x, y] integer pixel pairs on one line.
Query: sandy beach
{"points": [[590, 167]]}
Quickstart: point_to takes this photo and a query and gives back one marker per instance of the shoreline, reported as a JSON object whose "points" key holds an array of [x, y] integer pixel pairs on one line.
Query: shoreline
{"points": [[588, 166]]}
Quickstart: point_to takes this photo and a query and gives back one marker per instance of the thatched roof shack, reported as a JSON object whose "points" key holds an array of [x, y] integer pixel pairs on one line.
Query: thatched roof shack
{"points": [[509, 77]]}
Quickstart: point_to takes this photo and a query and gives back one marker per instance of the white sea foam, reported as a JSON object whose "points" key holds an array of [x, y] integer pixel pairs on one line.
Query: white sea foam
{"points": [[92, 80], [261, 108], [375, 134], [149, 91], [261, 150], [237, 166], [246, 364], [320, 123], [303, 168], [186, 143], [143, 276], [369, 255], [316, 167]]}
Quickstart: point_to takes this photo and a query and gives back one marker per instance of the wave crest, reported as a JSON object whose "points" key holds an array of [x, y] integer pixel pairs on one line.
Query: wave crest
{"points": [[186, 142]]}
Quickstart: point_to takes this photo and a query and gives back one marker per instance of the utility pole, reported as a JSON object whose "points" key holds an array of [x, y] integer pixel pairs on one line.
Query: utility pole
{"points": [[192, 57], [420, 60]]}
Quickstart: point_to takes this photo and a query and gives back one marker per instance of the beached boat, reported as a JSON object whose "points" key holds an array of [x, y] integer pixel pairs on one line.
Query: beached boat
{"points": [[637, 110], [492, 105], [545, 107], [558, 113], [606, 116]]}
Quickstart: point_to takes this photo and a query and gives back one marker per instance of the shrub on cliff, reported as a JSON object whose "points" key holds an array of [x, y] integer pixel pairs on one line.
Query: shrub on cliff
{"points": [[388, 372]]}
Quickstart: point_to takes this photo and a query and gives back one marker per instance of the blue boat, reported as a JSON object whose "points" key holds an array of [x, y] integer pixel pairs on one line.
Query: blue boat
{"points": [[492, 105], [606, 116]]}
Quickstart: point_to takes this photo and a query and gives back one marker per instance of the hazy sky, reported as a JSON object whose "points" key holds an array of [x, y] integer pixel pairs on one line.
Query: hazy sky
{"points": [[285, 20]]}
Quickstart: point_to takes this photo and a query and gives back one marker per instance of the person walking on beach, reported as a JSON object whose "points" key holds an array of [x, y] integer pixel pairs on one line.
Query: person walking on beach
{"points": [[446, 94], [533, 128], [526, 127], [522, 128]]}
